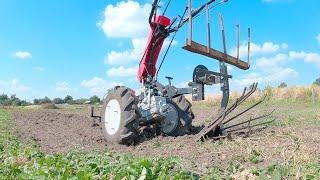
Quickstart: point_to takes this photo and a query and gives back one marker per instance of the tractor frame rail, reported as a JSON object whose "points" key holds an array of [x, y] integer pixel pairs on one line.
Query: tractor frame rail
{"points": [[215, 54], [208, 51]]}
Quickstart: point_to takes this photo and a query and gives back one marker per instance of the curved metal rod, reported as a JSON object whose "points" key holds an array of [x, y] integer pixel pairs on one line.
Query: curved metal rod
{"points": [[246, 110], [249, 127], [254, 119]]}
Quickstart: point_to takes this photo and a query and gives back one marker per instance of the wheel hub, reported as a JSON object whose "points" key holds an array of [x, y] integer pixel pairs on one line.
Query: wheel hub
{"points": [[112, 117], [171, 122]]}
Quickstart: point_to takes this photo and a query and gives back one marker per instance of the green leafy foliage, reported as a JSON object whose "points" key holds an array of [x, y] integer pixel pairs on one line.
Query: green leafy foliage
{"points": [[18, 161], [58, 101], [94, 100], [283, 85], [317, 82], [13, 100], [68, 99]]}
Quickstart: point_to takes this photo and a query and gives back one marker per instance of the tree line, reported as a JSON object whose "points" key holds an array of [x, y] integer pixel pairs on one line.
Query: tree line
{"points": [[13, 100]]}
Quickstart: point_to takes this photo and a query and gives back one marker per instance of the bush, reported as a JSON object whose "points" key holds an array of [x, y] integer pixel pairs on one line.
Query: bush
{"points": [[58, 101], [283, 85], [95, 100], [68, 99], [36, 101], [80, 101], [13, 100], [317, 82], [45, 100], [4, 100]]}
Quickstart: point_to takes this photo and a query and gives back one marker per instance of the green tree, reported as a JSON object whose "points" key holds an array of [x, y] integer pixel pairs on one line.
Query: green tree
{"points": [[45, 100], [36, 101], [15, 101], [95, 100], [68, 99], [4, 100], [283, 85], [58, 101], [24, 103], [317, 82], [80, 101]]}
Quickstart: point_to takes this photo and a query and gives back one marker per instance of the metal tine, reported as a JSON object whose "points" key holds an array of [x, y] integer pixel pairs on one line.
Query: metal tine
{"points": [[223, 34], [219, 118], [253, 88], [208, 28], [190, 22], [242, 98], [244, 91], [249, 44], [224, 112], [238, 101], [246, 110], [238, 41], [261, 124], [249, 121]]}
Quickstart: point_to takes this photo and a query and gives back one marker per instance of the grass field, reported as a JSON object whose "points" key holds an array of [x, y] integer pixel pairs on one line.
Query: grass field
{"points": [[288, 149]]}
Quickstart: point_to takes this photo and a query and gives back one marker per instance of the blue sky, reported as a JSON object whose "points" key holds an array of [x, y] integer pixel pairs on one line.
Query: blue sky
{"points": [[81, 48]]}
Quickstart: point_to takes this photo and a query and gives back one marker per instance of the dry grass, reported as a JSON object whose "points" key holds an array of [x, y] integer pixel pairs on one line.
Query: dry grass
{"points": [[293, 93]]}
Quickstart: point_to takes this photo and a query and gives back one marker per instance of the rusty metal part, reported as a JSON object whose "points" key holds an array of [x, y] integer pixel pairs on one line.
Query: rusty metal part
{"points": [[215, 54], [220, 117], [251, 120], [246, 110], [223, 57], [250, 127]]}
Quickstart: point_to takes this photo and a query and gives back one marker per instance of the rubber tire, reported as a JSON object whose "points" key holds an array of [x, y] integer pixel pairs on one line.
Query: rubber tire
{"points": [[127, 133], [185, 112]]}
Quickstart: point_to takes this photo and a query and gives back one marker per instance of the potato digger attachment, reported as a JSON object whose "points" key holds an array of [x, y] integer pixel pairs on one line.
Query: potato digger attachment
{"points": [[164, 108]]}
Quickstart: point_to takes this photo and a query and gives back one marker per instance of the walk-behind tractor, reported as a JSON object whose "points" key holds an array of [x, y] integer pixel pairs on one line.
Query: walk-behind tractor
{"points": [[164, 107]]}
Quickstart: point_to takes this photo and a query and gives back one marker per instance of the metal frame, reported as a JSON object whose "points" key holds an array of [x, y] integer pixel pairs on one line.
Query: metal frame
{"points": [[201, 75]]}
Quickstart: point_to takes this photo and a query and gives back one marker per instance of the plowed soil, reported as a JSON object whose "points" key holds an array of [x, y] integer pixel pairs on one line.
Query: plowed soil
{"points": [[57, 131]]}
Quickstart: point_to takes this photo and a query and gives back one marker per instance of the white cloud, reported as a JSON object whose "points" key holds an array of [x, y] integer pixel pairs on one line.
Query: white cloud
{"points": [[121, 71], [64, 87], [256, 49], [13, 86], [318, 38], [126, 20], [297, 55], [266, 64], [98, 86], [273, 76], [92, 82], [23, 55], [269, 70], [127, 56], [39, 68], [313, 58], [306, 57]]}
